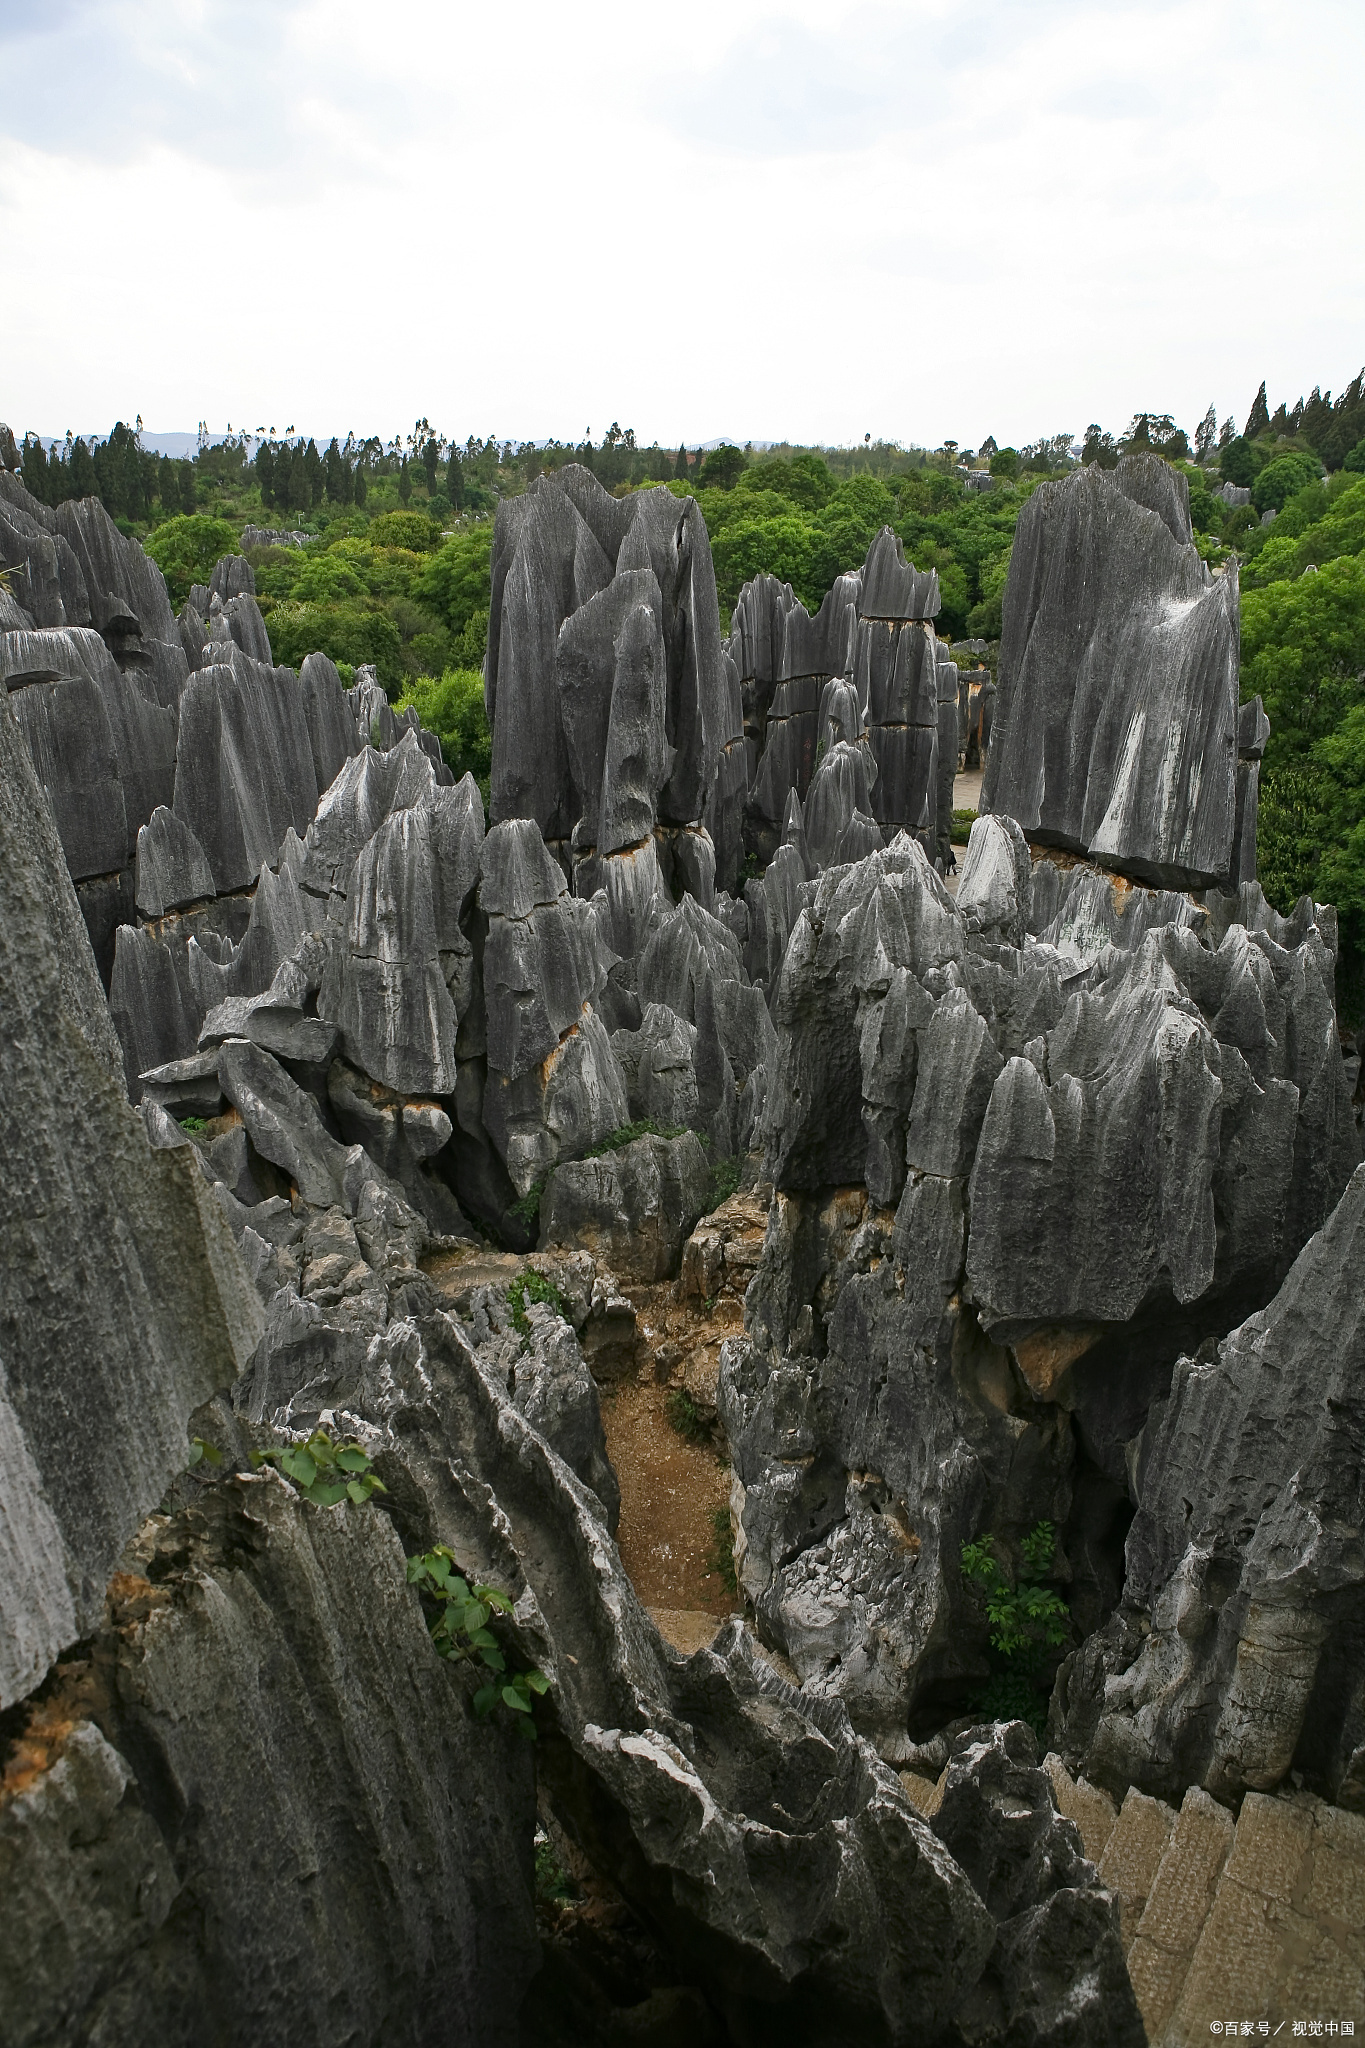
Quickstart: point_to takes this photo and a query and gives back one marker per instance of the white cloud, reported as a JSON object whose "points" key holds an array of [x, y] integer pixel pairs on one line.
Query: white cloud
{"points": [[811, 220]]}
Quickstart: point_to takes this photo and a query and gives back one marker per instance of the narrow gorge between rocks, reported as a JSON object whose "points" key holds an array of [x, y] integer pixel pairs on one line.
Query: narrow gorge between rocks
{"points": [[662, 1410]]}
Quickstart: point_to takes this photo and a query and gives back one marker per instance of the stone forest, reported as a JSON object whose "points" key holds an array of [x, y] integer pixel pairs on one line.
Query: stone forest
{"points": [[987, 1230]]}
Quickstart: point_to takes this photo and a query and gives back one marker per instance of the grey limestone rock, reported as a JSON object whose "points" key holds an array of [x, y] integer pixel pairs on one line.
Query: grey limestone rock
{"points": [[122, 1302], [746, 1821], [1057, 1972], [331, 730], [994, 888], [232, 575], [1116, 725], [172, 867], [633, 1208], [554, 1083], [283, 1124], [321, 1831], [403, 977], [603, 617], [244, 768], [611, 670], [1014, 1182], [659, 1064], [1237, 1654]]}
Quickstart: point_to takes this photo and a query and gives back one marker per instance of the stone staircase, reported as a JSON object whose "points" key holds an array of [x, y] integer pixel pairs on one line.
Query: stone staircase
{"points": [[1232, 1927]]}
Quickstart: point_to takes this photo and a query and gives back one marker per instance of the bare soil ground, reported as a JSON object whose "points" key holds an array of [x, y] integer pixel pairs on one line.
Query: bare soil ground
{"points": [[671, 1491]]}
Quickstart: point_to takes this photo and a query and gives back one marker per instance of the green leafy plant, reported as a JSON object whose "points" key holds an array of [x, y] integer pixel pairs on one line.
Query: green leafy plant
{"points": [[532, 1286], [685, 1416], [553, 1883], [193, 1123], [460, 1633], [324, 1471], [527, 1210], [963, 822], [1027, 1619], [202, 1452], [721, 1556]]}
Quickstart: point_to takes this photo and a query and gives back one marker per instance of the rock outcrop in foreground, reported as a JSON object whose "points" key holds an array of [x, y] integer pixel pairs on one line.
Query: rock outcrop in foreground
{"points": [[1065, 1180]]}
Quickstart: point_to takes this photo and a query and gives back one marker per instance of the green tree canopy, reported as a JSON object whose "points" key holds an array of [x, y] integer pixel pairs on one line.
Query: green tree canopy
{"points": [[1281, 478], [723, 467], [457, 581], [406, 529], [185, 549]]}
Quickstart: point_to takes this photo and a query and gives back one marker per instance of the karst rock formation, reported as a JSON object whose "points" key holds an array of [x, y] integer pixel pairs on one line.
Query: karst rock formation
{"points": [[1064, 1201]]}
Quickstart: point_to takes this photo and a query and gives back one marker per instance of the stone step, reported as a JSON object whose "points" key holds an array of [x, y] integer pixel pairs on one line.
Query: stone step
{"points": [[1078, 1800], [1132, 1856], [1177, 1907], [1284, 1939]]}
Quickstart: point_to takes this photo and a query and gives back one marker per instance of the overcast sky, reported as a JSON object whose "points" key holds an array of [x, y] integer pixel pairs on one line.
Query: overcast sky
{"points": [[805, 221]]}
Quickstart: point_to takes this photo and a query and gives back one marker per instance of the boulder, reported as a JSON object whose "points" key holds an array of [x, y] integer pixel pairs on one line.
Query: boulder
{"points": [[633, 1208]]}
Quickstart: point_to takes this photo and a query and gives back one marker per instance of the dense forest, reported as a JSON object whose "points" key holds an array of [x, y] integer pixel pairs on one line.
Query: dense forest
{"points": [[381, 554]]}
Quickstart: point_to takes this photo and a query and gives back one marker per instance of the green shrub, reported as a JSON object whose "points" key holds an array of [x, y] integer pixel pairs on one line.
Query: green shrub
{"points": [[626, 1134], [527, 1210], [355, 631], [460, 1633], [324, 1471], [685, 1417], [533, 1286], [721, 1557], [457, 582], [453, 708], [412, 530], [963, 822], [723, 1182], [1281, 479], [1027, 1620], [185, 549]]}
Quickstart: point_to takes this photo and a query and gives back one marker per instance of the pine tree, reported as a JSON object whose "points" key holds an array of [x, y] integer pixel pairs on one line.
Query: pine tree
{"points": [[362, 489], [334, 473], [265, 473], [189, 496], [680, 466], [430, 454], [35, 470], [83, 479], [312, 471], [1258, 420], [404, 483], [455, 478]]}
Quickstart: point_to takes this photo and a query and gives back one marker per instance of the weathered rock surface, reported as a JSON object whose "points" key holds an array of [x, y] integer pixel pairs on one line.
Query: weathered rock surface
{"points": [[633, 1208], [274, 1803], [122, 1302], [984, 1258], [1116, 723], [1237, 1652]]}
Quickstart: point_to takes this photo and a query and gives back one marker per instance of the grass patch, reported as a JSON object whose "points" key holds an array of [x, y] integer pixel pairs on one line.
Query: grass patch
{"points": [[963, 822], [626, 1134], [685, 1416], [720, 1558], [192, 1124]]}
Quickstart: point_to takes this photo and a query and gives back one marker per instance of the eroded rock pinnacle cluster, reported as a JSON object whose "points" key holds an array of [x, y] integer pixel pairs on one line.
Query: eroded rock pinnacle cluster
{"points": [[1064, 1195]]}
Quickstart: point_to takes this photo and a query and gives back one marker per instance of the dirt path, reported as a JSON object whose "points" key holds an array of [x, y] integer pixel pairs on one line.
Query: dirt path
{"points": [[671, 1493]]}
